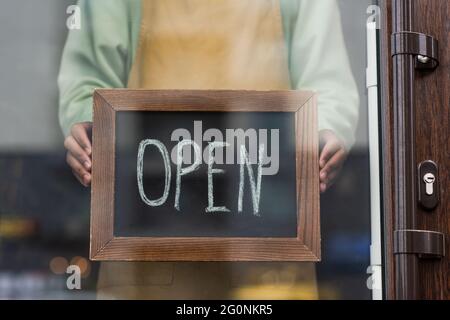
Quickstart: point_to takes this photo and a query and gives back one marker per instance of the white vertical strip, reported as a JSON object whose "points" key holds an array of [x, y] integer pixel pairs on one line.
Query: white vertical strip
{"points": [[375, 210]]}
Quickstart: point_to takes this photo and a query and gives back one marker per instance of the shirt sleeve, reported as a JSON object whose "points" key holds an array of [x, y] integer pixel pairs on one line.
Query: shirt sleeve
{"points": [[319, 62], [98, 55]]}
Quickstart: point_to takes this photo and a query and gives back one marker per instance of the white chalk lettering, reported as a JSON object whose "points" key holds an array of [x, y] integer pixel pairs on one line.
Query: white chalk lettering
{"points": [[211, 171], [140, 171], [184, 171], [254, 187], [246, 148]]}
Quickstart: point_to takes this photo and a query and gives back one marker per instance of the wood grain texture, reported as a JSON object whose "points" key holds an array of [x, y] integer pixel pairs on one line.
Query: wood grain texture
{"points": [[432, 97], [432, 120], [308, 192], [102, 186], [104, 246], [405, 165], [211, 100], [387, 123], [205, 249]]}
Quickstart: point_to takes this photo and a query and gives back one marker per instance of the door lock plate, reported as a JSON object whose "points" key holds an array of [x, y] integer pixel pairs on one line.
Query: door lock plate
{"points": [[428, 185]]}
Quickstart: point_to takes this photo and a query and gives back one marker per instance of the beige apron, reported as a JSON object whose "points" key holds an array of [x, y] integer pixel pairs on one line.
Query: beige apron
{"points": [[203, 44]]}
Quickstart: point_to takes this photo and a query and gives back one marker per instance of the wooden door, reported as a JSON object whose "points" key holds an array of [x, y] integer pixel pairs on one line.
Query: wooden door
{"points": [[415, 126]]}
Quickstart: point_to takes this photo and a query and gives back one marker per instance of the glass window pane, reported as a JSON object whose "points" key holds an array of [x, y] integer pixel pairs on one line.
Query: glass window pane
{"points": [[54, 55]]}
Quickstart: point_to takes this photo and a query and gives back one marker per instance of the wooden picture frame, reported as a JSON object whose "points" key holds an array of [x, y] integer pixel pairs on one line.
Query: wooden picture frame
{"points": [[105, 246]]}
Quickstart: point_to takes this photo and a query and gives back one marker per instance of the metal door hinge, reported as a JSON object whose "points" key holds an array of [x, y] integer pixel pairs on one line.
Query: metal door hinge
{"points": [[424, 47], [426, 244]]}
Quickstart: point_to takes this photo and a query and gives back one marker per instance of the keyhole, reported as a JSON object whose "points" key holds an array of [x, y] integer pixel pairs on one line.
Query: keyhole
{"points": [[429, 179]]}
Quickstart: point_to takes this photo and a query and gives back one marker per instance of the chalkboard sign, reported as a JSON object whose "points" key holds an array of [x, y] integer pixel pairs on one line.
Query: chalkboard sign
{"points": [[205, 176]]}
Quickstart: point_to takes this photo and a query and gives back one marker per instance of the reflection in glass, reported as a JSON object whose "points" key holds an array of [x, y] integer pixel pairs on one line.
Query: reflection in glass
{"points": [[286, 44]]}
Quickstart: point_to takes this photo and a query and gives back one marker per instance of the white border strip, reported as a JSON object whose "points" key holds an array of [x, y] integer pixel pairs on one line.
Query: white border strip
{"points": [[375, 210]]}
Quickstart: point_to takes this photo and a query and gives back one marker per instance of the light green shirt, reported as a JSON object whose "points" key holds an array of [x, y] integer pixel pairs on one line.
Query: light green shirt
{"points": [[101, 53]]}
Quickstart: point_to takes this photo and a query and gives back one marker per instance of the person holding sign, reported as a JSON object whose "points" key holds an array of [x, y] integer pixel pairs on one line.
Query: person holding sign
{"points": [[199, 44]]}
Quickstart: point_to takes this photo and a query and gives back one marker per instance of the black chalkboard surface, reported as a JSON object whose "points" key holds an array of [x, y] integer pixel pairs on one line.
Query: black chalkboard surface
{"points": [[191, 175], [277, 216]]}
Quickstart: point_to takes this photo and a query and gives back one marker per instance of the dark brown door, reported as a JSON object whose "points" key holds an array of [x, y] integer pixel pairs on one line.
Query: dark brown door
{"points": [[416, 119], [433, 139]]}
